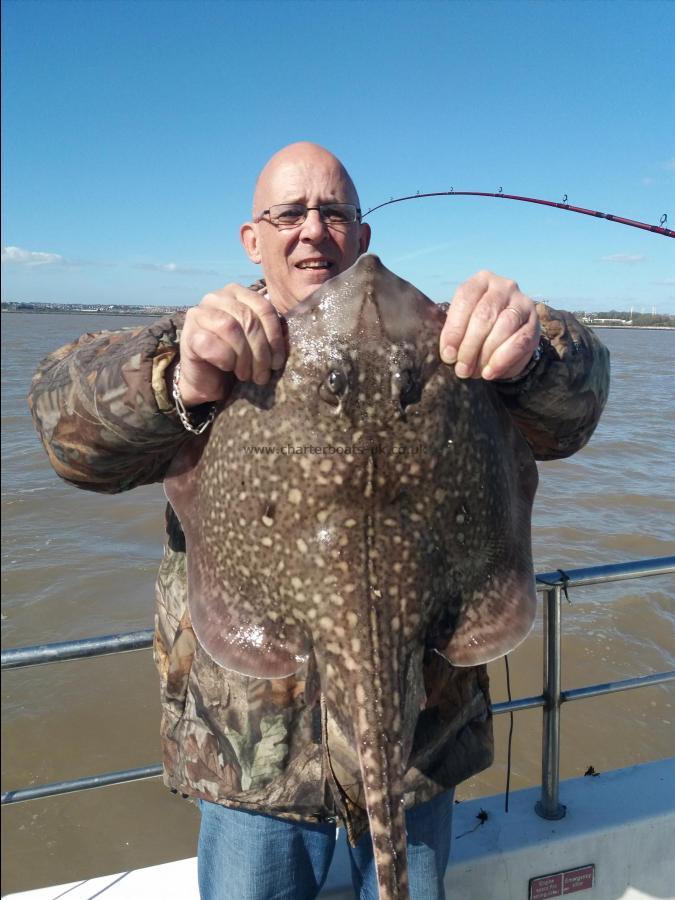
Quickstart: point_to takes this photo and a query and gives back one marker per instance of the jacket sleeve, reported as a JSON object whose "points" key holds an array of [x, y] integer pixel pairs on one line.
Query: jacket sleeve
{"points": [[102, 410], [557, 404]]}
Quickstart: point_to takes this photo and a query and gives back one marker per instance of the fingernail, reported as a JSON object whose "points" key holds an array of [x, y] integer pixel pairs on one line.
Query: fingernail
{"points": [[462, 370], [487, 373], [448, 354]]}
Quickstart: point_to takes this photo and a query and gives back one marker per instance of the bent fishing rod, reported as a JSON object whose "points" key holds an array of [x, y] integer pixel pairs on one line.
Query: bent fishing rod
{"points": [[563, 204]]}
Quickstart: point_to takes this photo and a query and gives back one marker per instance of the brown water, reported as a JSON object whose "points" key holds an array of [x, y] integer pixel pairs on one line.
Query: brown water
{"points": [[76, 564]]}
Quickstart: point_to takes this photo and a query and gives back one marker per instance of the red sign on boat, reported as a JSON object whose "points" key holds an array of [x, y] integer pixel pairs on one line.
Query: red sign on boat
{"points": [[559, 883]]}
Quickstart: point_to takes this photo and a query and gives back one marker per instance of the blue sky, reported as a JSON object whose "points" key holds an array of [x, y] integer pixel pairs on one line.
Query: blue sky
{"points": [[134, 131]]}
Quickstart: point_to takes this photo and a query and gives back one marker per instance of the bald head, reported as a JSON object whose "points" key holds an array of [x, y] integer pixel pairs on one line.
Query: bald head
{"points": [[290, 163], [297, 259]]}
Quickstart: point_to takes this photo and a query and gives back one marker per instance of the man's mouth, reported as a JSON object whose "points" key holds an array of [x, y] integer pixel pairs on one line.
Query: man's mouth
{"points": [[315, 264]]}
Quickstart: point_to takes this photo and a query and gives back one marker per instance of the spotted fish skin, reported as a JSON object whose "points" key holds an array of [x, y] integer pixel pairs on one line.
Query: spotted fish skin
{"points": [[363, 507]]}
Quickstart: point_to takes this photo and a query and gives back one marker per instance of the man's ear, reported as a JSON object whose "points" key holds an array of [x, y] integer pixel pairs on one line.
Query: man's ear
{"points": [[364, 238], [249, 238]]}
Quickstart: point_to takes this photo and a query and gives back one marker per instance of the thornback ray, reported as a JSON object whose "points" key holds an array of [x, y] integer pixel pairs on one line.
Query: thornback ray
{"points": [[363, 509]]}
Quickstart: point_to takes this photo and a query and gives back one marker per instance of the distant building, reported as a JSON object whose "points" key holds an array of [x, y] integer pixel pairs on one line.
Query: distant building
{"points": [[590, 319]]}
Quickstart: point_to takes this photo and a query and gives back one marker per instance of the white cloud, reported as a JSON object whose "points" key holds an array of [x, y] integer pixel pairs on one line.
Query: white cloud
{"points": [[669, 165], [664, 281], [628, 258], [173, 268], [22, 257]]}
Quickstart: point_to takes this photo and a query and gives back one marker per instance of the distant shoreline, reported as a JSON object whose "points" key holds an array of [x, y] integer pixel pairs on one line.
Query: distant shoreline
{"points": [[95, 312], [139, 313], [633, 327]]}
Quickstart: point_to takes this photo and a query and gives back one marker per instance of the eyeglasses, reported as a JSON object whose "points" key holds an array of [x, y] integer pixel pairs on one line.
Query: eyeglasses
{"points": [[288, 215]]}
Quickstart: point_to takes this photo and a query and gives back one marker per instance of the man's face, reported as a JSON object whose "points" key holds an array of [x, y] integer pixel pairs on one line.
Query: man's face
{"points": [[297, 260]]}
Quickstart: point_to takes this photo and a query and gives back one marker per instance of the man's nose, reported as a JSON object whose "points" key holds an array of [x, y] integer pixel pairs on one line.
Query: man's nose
{"points": [[313, 228]]}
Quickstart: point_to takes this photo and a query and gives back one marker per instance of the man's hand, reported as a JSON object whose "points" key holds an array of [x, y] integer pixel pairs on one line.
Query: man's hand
{"points": [[492, 329], [233, 330]]}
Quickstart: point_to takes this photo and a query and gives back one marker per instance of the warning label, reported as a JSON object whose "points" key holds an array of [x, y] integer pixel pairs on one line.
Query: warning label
{"points": [[559, 883]]}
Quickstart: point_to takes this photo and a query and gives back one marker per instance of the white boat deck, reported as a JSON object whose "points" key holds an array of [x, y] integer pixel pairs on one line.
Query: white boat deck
{"points": [[621, 823]]}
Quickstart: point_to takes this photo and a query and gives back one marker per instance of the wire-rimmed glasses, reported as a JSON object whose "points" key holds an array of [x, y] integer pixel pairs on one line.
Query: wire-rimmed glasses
{"points": [[289, 215]]}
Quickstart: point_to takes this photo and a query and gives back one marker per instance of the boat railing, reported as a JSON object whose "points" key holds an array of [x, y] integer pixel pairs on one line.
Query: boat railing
{"points": [[553, 585]]}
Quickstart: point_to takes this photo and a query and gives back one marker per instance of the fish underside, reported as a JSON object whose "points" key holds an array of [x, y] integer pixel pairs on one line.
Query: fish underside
{"points": [[362, 508]]}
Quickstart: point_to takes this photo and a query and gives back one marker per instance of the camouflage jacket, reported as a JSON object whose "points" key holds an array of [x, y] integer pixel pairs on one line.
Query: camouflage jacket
{"points": [[104, 415]]}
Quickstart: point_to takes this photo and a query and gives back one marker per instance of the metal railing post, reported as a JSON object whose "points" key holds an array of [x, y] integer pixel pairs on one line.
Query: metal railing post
{"points": [[549, 806]]}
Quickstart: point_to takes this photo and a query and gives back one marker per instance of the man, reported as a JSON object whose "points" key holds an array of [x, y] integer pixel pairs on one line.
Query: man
{"points": [[492, 328], [252, 751]]}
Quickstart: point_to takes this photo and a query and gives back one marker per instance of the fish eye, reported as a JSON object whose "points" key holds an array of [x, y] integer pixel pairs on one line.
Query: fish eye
{"points": [[406, 387], [333, 387], [402, 380], [336, 382]]}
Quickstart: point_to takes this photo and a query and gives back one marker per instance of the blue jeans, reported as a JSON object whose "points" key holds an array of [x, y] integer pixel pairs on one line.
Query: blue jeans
{"points": [[249, 856]]}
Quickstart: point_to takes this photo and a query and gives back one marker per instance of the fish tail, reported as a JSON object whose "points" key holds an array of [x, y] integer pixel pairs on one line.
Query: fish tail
{"points": [[386, 816], [380, 749]]}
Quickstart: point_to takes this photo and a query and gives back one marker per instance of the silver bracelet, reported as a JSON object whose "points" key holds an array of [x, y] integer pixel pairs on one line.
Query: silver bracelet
{"points": [[183, 414]]}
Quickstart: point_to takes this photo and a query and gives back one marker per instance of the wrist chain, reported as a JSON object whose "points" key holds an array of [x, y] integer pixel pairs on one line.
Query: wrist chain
{"points": [[185, 416]]}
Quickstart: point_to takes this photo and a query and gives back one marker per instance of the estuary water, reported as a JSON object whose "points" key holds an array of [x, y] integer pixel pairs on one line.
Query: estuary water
{"points": [[77, 564]]}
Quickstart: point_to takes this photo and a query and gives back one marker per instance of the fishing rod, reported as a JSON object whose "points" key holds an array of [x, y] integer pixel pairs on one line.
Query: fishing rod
{"points": [[563, 204]]}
